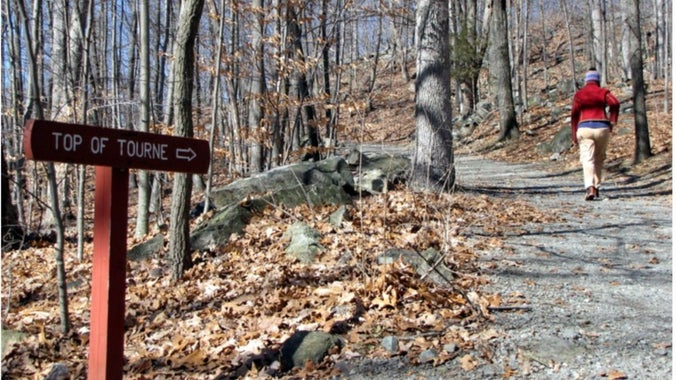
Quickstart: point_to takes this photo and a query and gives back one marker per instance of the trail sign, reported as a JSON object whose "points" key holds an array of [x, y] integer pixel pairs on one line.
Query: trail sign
{"points": [[119, 148], [114, 151]]}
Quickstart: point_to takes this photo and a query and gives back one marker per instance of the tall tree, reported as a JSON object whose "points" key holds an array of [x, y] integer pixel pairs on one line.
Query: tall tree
{"points": [[501, 72], [571, 41], [642, 149], [61, 102], [304, 123], [215, 108], [11, 230], [34, 110], [81, 42], [11, 131], [523, 93], [432, 167], [258, 134], [183, 75], [599, 43], [469, 49], [143, 204]]}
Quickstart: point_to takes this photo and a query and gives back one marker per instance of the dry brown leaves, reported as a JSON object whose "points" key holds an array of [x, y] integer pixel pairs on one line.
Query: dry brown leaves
{"points": [[249, 296]]}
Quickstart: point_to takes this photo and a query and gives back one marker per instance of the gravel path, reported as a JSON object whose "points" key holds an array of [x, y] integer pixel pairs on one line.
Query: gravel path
{"points": [[599, 283]]}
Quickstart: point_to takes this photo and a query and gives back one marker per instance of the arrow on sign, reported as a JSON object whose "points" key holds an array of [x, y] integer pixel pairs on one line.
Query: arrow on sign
{"points": [[185, 154]]}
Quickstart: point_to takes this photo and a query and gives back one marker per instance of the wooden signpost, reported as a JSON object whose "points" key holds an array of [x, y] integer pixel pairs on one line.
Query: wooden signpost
{"points": [[113, 152]]}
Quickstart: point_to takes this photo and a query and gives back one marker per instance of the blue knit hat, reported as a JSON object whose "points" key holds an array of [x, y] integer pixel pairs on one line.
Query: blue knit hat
{"points": [[592, 75]]}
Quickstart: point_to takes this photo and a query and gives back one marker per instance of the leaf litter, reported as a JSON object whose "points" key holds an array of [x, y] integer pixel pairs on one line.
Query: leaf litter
{"points": [[245, 298]]}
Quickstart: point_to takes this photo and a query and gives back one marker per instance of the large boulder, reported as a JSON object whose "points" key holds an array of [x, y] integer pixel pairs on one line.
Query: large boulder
{"points": [[561, 142], [376, 173], [230, 220], [329, 181], [146, 249], [307, 345], [323, 182]]}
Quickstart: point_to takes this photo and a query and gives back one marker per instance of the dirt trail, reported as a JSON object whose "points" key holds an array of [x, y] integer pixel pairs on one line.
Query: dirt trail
{"points": [[598, 283]]}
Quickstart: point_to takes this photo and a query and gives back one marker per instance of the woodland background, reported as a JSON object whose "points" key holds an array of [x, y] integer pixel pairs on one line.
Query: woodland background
{"points": [[271, 83]]}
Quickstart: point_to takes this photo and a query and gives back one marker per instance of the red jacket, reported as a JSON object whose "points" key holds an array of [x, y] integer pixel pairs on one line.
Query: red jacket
{"points": [[589, 104]]}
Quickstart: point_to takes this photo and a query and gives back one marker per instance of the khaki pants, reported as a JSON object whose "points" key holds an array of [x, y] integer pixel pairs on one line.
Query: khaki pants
{"points": [[593, 143]]}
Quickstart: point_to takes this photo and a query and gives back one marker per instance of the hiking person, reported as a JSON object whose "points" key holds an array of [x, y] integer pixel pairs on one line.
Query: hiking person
{"points": [[591, 125]]}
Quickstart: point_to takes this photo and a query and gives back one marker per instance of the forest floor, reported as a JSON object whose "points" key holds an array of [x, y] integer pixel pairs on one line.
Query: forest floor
{"points": [[575, 289], [591, 290], [586, 296]]}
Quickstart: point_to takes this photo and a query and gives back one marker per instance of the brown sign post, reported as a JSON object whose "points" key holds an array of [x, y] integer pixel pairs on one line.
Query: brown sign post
{"points": [[114, 152]]}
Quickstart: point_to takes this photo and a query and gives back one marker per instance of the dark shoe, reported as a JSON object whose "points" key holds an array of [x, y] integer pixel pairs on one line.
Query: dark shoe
{"points": [[590, 194], [596, 192]]}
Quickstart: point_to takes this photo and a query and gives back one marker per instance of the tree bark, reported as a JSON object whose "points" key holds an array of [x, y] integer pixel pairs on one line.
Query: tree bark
{"points": [[545, 62], [12, 233], [215, 107], [35, 110], [258, 134], [599, 43], [642, 149], [571, 42], [179, 241], [16, 96], [524, 60], [143, 203], [432, 167], [304, 123], [501, 72]]}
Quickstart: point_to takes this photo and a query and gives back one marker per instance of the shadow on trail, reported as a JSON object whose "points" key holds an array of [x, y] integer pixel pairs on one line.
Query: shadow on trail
{"points": [[604, 268], [576, 231], [511, 192], [649, 189]]}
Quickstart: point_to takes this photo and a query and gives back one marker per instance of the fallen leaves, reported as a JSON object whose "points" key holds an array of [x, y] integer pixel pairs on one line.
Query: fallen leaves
{"points": [[614, 375], [468, 363], [248, 296]]}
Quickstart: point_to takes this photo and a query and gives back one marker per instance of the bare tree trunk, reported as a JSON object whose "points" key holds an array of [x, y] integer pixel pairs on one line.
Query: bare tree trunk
{"points": [[83, 69], [61, 104], [642, 150], [433, 167], [162, 46], [599, 38], [666, 47], [524, 53], [17, 91], [513, 20], [35, 110], [626, 41], [215, 107], [143, 203], [237, 148], [545, 54], [304, 122], [339, 36], [501, 72], [115, 74], [12, 233], [258, 133], [354, 53], [179, 241], [571, 42], [398, 48], [326, 71], [374, 67]]}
